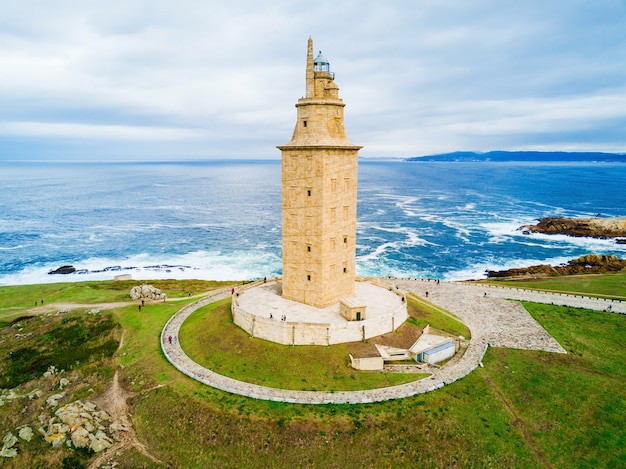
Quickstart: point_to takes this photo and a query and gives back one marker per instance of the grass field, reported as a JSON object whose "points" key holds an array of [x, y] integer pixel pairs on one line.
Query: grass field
{"points": [[523, 409], [211, 339], [611, 285]]}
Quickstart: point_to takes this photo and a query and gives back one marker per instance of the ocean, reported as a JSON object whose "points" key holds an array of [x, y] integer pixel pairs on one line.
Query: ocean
{"points": [[221, 220]]}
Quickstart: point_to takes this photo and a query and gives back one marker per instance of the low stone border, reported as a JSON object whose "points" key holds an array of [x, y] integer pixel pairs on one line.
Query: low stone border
{"points": [[561, 299], [177, 357], [245, 314], [492, 321]]}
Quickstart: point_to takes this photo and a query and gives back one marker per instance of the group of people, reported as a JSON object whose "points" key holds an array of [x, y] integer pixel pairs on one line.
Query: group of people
{"points": [[283, 318]]}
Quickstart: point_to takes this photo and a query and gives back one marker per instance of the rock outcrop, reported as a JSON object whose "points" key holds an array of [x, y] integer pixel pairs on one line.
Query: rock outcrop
{"points": [[589, 264], [8, 443], [146, 291], [77, 424], [81, 423], [65, 269], [593, 227]]}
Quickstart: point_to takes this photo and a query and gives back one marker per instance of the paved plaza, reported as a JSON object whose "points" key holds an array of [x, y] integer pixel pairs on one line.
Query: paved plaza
{"points": [[493, 319], [266, 298], [261, 311]]}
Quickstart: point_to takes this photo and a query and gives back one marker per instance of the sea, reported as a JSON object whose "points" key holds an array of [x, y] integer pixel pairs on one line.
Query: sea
{"points": [[221, 219]]}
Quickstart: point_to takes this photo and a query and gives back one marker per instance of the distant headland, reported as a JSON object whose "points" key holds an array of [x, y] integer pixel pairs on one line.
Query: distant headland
{"points": [[521, 156]]}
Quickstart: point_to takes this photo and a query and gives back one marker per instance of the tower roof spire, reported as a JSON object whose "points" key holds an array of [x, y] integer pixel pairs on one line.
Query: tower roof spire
{"points": [[310, 73]]}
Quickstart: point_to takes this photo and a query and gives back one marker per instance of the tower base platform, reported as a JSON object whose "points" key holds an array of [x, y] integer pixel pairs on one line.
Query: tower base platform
{"points": [[262, 312]]}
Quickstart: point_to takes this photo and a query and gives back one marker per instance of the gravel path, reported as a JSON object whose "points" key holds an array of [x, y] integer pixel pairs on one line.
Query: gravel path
{"points": [[492, 319]]}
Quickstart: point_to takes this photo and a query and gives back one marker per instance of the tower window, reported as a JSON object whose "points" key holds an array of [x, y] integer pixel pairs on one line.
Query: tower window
{"points": [[304, 122], [345, 269], [308, 192], [308, 248], [345, 240], [308, 277]]}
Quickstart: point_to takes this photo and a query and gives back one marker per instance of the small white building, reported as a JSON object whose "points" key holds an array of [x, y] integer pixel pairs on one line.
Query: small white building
{"points": [[430, 348]]}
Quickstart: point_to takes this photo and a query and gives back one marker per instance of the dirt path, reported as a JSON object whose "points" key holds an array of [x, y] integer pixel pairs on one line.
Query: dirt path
{"points": [[115, 399], [517, 422], [53, 307], [115, 402]]}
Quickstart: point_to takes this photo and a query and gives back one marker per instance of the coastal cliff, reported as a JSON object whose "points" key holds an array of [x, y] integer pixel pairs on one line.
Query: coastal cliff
{"points": [[592, 227]]}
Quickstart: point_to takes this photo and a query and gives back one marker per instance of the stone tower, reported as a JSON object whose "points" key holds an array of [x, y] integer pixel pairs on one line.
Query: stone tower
{"points": [[319, 194]]}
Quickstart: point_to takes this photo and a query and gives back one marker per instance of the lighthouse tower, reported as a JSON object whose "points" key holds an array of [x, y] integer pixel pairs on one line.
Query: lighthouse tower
{"points": [[319, 195]]}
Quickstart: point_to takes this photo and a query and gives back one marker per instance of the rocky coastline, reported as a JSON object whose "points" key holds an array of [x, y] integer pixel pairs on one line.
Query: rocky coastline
{"points": [[595, 227], [589, 264]]}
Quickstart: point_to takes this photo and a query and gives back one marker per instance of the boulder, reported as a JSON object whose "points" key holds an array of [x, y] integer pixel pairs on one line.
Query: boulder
{"points": [[100, 442], [52, 370], [26, 433], [56, 439], [53, 400], [79, 424], [8, 452], [80, 438], [9, 440], [146, 291], [63, 270], [63, 382]]}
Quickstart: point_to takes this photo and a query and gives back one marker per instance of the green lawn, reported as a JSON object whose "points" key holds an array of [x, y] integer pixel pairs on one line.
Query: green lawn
{"points": [[210, 338], [573, 405], [524, 409], [422, 312], [605, 285]]}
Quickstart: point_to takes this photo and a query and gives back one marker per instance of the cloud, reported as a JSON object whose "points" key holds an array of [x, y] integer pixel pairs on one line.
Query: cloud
{"points": [[222, 79], [96, 132]]}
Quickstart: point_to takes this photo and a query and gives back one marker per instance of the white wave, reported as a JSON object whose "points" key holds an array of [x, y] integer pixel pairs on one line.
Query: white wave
{"points": [[425, 214], [204, 265], [479, 271], [378, 252], [11, 248], [585, 242], [497, 240], [375, 269], [411, 239], [509, 230], [505, 228], [403, 203]]}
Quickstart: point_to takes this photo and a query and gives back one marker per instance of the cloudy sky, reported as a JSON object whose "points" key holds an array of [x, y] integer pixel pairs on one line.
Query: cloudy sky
{"points": [[123, 80]]}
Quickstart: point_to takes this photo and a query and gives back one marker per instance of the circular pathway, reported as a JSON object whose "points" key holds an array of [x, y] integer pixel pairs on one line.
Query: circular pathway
{"points": [[491, 318]]}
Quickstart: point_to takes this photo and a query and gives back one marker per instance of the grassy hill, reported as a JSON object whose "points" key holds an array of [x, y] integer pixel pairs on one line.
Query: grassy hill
{"points": [[522, 409]]}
